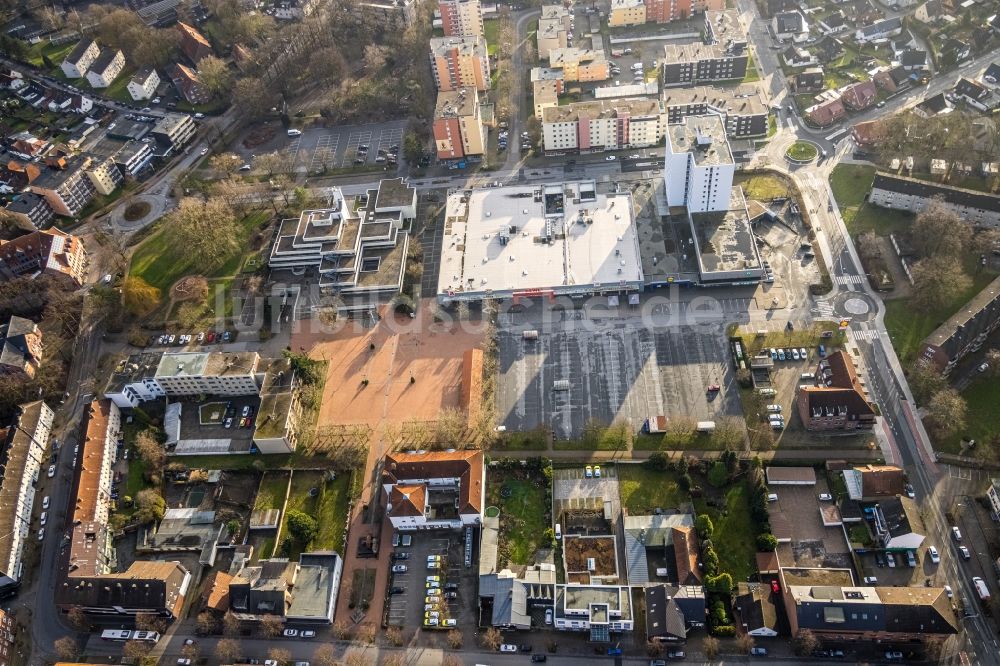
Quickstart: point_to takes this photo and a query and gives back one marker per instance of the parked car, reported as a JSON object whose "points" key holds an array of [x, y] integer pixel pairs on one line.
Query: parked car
{"points": [[508, 647], [308, 633], [399, 568], [610, 158], [966, 555], [775, 586], [597, 471], [758, 652], [932, 552], [825, 497], [548, 616], [45, 502], [396, 590], [956, 533], [450, 622], [400, 556], [52, 471], [588, 471], [290, 633]]}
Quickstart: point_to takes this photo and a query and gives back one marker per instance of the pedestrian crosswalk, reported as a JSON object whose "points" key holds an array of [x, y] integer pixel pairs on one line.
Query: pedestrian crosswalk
{"points": [[857, 335], [849, 279], [823, 309]]}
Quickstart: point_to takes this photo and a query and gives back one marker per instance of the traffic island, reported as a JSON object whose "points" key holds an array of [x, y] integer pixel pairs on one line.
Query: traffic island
{"points": [[802, 152]]}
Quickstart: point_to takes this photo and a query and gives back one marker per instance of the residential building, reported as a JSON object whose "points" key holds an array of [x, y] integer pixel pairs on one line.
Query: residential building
{"points": [[797, 56], [23, 446], [665, 11], [143, 84], [553, 29], [545, 95], [826, 113], [876, 616], [65, 185], [461, 17], [913, 59], [30, 210], [723, 55], [754, 610], [647, 537], [458, 125], [132, 158], [977, 95], [208, 373], [626, 12], [460, 62], [175, 130], [833, 23], [869, 133], [189, 84], [595, 609], [591, 242], [601, 125], [106, 68], [304, 592], [76, 64], [993, 495], [859, 96], [193, 44], [508, 598], [104, 175], [991, 75], [357, 252], [157, 587], [745, 113], [276, 429], [879, 31], [8, 639], [929, 12], [809, 80], [434, 490], [790, 25], [672, 611], [910, 194], [580, 64], [133, 380], [840, 402], [51, 253], [955, 50], [829, 49], [964, 332], [893, 79], [699, 167], [873, 482], [294, 10]]}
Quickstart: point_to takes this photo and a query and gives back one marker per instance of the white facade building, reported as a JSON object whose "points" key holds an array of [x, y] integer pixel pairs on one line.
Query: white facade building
{"points": [[143, 84], [699, 167]]}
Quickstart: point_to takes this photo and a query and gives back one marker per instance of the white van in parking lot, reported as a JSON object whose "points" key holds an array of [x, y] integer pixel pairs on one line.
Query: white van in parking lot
{"points": [[294, 132]]}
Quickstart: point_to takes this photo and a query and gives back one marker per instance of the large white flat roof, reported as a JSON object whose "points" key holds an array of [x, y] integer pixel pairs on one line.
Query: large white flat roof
{"points": [[494, 240]]}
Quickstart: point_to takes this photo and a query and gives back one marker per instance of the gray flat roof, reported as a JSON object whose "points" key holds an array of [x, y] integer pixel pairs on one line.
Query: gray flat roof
{"points": [[725, 241], [704, 137]]}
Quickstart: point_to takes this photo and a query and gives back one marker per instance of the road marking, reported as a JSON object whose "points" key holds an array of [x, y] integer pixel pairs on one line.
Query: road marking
{"points": [[859, 335], [849, 279]]}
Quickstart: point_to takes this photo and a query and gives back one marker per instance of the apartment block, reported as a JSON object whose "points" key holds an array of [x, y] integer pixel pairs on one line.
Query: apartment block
{"points": [[143, 84], [913, 195], [699, 166], [744, 111], [626, 12], [193, 43], [840, 401], [460, 62], [23, 447], [132, 158], [65, 185], [51, 252], [175, 130], [553, 29], [458, 125], [106, 68], [189, 84], [397, 13], [545, 95], [105, 176], [965, 332], [665, 11], [208, 373], [435, 490], [723, 55], [76, 64], [603, 125], [461, 17], [30, 210], [580, 64]]}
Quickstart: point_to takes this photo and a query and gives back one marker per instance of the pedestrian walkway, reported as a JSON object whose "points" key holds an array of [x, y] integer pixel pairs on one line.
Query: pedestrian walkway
{"points": [[818, 454]]}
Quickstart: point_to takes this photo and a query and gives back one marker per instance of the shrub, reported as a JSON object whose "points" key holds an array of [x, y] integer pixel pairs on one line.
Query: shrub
{"points": [[718, 475], [767, 543], [703, 525], [724, 630], [658, 461]]}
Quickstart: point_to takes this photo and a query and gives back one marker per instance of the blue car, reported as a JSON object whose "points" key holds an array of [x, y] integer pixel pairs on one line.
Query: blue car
{"points": [[822, 351], [614, 652], [781, 354]]}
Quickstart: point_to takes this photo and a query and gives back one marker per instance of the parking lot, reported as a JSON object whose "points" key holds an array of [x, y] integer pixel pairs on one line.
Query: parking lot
{"points": [[319, 149], [617, 368], [408, 606]]}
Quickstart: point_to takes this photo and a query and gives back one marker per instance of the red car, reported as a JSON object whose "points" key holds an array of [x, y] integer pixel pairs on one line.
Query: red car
{"points": [[210, 337], [775, 587]]}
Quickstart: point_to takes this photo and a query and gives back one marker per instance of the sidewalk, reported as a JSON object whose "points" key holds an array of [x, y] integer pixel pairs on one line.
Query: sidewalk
{"points": [[780, 455]]}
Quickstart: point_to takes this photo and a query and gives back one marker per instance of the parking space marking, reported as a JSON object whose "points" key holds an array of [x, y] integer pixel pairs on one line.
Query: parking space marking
{"points": [[388, 139], [325, 152], [292, 149], [356, 139]]}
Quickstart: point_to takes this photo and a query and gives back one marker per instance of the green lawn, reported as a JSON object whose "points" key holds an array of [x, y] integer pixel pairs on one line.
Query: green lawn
{"points": [[734, 538], [982, 397], [850, 184], [657, 442], [532, 440], [908, 326], [56, 54], [802, 151], [752, 73], [643, 489], [271, 493], [522, 516], [134, 481], [159, 265], [490, 28], [331, 513], [764, 186], [299, 500]]}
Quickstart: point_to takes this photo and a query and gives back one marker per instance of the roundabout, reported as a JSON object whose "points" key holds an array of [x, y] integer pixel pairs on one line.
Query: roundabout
{"points": [[802, 152]]}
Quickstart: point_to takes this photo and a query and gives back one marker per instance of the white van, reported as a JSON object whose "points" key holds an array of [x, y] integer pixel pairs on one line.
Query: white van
{"points": [[558, 531], [766, 391], [772, 497], [294, 132], [807, 375]]}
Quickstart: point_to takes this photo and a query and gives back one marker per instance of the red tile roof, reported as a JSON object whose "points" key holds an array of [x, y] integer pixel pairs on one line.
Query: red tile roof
{"points": [[408, 500], [467, 466]]}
